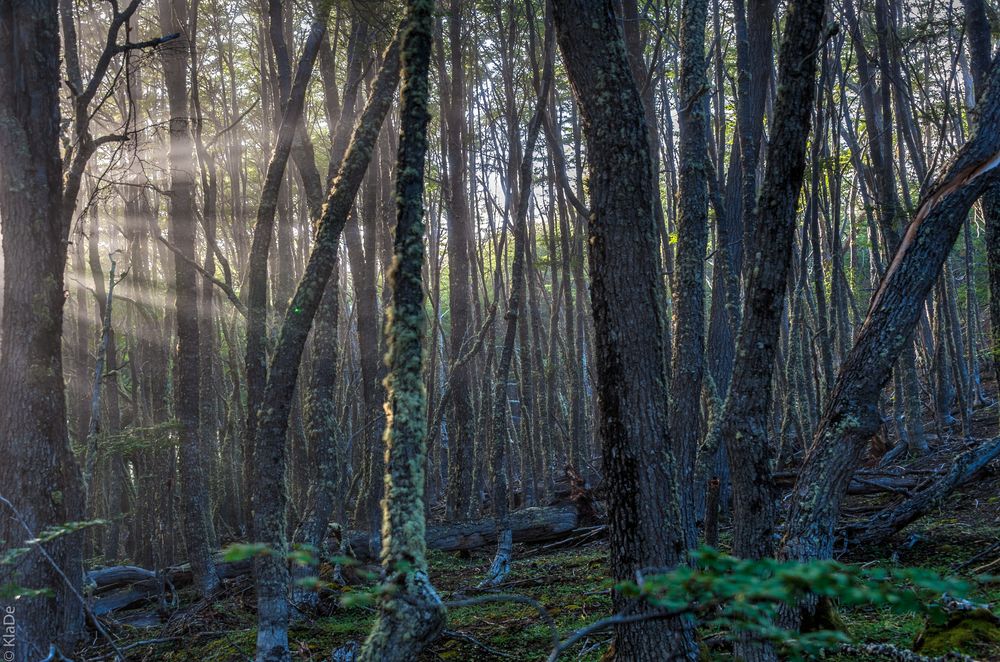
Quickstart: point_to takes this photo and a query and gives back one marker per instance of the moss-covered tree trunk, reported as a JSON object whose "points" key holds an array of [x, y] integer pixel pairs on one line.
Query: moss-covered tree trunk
{"points": [[627, 296], [410, 612]]}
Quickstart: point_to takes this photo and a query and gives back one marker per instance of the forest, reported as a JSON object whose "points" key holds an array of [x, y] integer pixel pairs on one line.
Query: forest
{"points": [[398, 330]]}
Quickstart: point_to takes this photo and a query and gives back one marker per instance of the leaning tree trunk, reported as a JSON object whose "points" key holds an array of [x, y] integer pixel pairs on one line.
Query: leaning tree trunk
{"points": [[627, 295], [269, 495], [256, 353], [275, 406], [323, 434], [851, 415], [410, 614], [40, 477]]}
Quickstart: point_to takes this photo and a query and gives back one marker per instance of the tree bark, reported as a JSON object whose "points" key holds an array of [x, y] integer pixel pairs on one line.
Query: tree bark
{"points": [[688, 287], [851, 415], [257, 281], [627, 295], [411, 615], [39, 475]]}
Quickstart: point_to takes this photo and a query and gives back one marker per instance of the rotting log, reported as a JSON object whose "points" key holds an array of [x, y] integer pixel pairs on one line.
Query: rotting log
{"points": [[120, 587]]}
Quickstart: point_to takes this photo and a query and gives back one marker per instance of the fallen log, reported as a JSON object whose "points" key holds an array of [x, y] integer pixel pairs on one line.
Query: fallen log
{"points": [[529, 526], [118, 575], [117, 600], [865, 484], [120, 587], [891, 520]]}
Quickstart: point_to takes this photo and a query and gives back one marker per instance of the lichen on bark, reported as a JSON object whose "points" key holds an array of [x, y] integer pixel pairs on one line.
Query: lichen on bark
{"points": [[410, 612]]}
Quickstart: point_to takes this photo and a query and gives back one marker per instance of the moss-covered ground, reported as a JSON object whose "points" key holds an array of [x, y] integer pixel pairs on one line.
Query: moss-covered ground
{"points": [[572, 585]]}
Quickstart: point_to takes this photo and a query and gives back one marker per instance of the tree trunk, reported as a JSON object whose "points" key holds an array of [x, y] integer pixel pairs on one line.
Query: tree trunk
{"points": [[194, 486], [744, 420], [269, 488], [461, 437], [627, 296], [410, 616], [851, 415], [39, 475], [977, 26], [688, 286]]}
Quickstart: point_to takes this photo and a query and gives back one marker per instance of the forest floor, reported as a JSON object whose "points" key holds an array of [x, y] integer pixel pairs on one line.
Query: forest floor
{"points": [[572, 585]]}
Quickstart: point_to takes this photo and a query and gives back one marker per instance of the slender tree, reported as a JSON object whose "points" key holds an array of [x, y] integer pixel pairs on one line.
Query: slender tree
{"points": [[194, 482], [410, 613], [688, 286], [461, 440]]}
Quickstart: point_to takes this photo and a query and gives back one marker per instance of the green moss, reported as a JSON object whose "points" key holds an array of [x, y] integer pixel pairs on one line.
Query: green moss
{"points": [[881, 625], [234, 646], [971, 632], [326, 634]]}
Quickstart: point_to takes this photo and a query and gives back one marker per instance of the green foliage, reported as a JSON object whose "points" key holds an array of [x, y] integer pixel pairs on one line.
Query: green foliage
{"points": [[15, 592], [735, 596], [53, 532], [243, 551], [11, 591]]}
